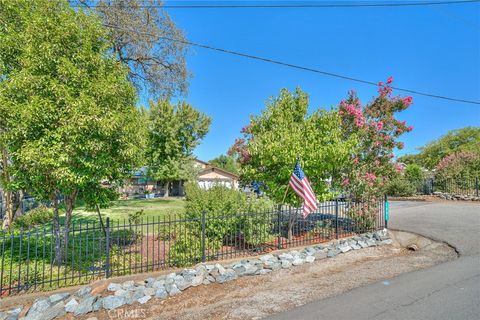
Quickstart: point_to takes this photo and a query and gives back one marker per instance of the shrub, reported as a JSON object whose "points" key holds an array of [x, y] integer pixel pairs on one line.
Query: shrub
{"points": [[457, 170], [35, 217], [230, 217], [413, 173], [400, 187]]}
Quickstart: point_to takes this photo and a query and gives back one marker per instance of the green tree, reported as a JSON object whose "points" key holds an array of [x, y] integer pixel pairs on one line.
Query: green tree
{"points": [[173, 133], [140, 32], [226, 162], [459, 140], [284, 131], [71, 115]]}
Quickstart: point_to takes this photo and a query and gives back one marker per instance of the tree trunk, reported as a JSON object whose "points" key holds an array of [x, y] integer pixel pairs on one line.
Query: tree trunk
{"points": [[167, 189], [59, 250], [69, 205], [101, 220], [8, 219], [291, 220]]}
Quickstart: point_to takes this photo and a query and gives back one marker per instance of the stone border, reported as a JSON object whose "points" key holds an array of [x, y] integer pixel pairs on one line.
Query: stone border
{"points": [[455, 196], [131, 292]]}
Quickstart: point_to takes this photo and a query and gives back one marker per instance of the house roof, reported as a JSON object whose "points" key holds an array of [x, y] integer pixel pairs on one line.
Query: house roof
{"points": [[212, 168]]}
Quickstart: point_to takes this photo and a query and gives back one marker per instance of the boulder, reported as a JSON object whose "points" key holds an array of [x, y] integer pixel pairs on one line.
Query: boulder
{"points": [[37, 308], [114, 287], [54, 298], [85, 305], [83, 292], [161, 293], [71, 305], [309, 259], [113, 302], [149, 291]]}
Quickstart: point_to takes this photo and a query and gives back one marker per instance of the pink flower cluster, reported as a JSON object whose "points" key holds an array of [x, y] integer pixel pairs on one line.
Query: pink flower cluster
{"points": [[370, 178], [356, 112], [346, 182]]}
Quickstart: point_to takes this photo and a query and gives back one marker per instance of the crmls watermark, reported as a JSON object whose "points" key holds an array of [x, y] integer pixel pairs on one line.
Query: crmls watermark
{"points": [[127, 314]]}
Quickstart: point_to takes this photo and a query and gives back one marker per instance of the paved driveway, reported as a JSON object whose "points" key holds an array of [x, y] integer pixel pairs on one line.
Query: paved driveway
{"points": [[447, 291]]}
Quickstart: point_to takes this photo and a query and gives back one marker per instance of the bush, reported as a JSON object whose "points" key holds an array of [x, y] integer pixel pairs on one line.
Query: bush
{"points": [[230, 218], [400, 187], [458, 171], [414, 174], [35, 217]]}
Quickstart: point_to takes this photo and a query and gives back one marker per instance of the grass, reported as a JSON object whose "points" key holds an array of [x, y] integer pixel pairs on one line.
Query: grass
{"points": [[120, 210]]}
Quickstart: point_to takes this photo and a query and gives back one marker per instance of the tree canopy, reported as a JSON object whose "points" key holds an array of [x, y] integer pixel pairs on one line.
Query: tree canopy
{"points": [[174, 130], [459, 140], [140, 31], [226, 162]]}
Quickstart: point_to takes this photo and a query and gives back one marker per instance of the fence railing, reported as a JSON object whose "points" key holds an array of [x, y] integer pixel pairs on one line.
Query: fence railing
{"points": [[468, 187], [30, 261]]}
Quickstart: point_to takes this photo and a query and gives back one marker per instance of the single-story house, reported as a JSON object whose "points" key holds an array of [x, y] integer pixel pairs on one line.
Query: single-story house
{"points": [[139, 184]]}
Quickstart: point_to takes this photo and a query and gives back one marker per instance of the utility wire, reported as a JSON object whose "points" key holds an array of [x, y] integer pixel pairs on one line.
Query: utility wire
{"points": [[290, 65], [292, 5]]}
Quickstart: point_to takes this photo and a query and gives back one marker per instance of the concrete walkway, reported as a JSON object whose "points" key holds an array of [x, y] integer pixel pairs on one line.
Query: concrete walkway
{"points": [[447, 291]]}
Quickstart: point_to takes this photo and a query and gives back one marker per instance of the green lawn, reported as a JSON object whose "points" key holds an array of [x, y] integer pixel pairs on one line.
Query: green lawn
{"points": [[119, 210]]}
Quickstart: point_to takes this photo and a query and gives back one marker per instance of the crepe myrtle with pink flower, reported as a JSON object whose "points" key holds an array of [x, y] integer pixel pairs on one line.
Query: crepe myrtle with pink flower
{"points": [[378, 131]]}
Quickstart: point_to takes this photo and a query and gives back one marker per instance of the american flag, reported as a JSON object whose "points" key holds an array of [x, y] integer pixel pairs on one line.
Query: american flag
{"points": [[301, 186]]}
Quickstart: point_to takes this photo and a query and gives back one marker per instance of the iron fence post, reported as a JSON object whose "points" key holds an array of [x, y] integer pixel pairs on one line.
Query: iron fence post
{"points": [[204, 258], [431, 186], [386, 211], [336, 218], [107, 248], [279, 237], [476, 185]]}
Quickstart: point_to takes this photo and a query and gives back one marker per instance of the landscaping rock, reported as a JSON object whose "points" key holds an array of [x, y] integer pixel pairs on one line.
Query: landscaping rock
{"points": [[161, 293], [197, 280], [387, 242], [56, 310], [71, 305], [37, 308], [332, 253], [320, 254], [228, 275], [149, 291], [144, 299], [344, 248], [128, 285], [54, 298], [172, 289], [113, 302], [363, 244], [309, 259], [11, 314], [97, 305], [298, 261], [85, 305], [371, 243], [83, 292], [114, 287], [286, 264]]}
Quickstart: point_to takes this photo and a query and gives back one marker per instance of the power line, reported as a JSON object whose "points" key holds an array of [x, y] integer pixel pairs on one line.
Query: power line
{"points": [[293, 5], [294, 66]]}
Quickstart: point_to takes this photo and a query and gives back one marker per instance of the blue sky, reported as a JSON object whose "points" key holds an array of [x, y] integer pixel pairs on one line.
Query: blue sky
{"points": [[430, 49]]}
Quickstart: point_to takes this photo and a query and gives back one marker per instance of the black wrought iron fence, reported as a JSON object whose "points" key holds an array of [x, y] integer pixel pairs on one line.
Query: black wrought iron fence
{"points": [[468, 187], [89, 251]]}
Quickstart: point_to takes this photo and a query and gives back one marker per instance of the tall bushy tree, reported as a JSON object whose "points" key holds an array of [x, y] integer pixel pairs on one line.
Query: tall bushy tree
{"points": [[72, 120], [141, 31], [284, 131], [378, 130], [227, 162], [459, 140], [174, 130]]}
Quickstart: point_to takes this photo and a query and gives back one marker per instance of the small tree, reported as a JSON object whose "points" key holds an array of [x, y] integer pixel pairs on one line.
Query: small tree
{"points": [[173, 133], [371, 165]]}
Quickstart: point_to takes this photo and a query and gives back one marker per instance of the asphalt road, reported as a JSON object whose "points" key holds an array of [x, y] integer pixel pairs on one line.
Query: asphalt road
{"points": [[447, 291]]}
